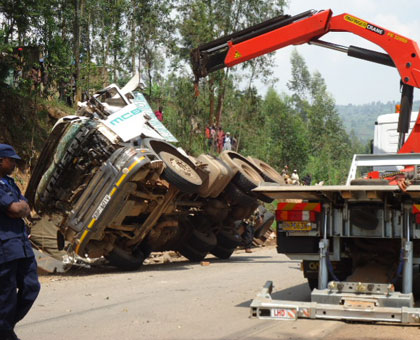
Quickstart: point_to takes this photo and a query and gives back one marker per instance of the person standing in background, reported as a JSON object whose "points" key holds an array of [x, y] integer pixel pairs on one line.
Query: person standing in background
{"points": [[227, 142], [159, 113]]}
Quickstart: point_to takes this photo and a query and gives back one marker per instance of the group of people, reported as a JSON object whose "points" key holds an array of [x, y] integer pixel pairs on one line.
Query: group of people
{"points": [[293, 178], [218, 140]]}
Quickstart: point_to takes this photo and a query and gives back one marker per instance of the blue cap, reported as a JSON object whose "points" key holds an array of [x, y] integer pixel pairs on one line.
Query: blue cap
{"points": [[7, 151]]}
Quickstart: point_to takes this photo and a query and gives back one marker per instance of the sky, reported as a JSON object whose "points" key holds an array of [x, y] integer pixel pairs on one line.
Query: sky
{"points": [[350, 80]]}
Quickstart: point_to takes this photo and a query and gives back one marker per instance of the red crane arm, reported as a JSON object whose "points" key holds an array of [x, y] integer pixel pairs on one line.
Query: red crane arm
{"points": [[404, 52], [296, 33], [401, 52]]}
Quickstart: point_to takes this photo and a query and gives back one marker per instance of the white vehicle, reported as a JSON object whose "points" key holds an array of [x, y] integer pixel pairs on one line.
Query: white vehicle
{"points": [[385, 138]]}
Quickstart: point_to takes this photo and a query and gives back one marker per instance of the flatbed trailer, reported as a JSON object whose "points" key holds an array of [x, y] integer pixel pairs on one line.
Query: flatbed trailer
{"points": [[391, 217]]}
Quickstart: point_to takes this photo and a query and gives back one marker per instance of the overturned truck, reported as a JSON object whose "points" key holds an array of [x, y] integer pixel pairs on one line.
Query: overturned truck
{"points": [[110, 183]]}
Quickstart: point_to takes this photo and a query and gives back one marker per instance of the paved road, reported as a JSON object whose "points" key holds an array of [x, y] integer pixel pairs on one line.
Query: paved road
{"points": [[181, 301]]}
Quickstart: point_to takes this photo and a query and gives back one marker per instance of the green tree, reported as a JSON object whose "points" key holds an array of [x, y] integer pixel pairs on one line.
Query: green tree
{"points": [[200, 21], [330, 149]]}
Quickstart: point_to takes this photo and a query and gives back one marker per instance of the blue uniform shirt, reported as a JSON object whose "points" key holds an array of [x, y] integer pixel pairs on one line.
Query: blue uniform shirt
{"points": [[14, 242]]}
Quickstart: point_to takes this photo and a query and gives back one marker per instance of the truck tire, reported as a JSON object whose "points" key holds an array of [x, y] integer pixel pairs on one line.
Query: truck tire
{"points": [[125, 260], [228, 238], [222, 252], [203, 241], [268, 173], [247, 178], [268, 220], [192, 254], [235, 196], [180, 172]]}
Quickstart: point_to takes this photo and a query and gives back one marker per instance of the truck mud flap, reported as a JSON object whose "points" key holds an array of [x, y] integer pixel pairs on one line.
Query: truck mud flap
{"points": [[350, 306]]}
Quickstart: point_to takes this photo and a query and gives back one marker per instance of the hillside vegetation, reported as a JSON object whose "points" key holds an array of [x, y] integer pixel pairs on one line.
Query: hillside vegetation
{"points": [[360, 119], [57, 51]]}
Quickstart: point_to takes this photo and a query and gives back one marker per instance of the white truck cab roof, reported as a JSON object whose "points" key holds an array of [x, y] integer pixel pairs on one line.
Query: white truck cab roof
{"points": [[385, 139]]}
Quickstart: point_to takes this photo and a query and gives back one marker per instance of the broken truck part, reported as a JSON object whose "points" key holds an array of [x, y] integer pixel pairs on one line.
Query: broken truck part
{"points": [[358, 242]]}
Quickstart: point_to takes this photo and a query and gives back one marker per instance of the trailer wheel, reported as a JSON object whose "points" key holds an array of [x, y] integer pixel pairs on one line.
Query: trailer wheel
{"points": [[180, 173], [125, 260], [222, 252]]}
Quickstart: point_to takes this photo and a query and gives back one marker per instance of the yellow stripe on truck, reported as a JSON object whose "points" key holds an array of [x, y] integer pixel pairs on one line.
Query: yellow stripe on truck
{"points": [[111, 193]]}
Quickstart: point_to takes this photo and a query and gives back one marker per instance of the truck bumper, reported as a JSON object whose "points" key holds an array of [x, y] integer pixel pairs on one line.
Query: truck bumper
{"points": [[330, 304]]}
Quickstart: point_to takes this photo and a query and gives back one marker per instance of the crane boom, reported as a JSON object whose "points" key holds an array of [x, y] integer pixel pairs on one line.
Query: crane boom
{"points": [[308, 27]]}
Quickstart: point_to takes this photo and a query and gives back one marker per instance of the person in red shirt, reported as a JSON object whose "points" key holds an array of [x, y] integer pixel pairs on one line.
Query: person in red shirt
{"points": [[159, 113]]}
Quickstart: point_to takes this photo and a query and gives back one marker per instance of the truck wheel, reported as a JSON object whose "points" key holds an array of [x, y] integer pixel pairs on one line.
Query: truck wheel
{"points": [[268, 220], [180, 173], [263, 198], [247, 178], [192, 254], [125, 260], [237, 197], [204, 241], [228, 238], [200, 239], [267, 172], [222, 252]]}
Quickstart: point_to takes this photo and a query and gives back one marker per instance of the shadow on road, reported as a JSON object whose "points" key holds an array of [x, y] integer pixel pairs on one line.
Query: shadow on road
{"points": [[177, 263]]}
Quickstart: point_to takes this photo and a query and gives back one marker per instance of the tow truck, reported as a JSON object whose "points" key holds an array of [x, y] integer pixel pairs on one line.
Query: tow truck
{"points": [[358, 242]]}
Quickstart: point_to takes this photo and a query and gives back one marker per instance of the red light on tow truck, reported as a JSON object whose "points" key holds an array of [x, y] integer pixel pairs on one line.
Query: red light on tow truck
{"points": [[416, 212], [297, 211]]}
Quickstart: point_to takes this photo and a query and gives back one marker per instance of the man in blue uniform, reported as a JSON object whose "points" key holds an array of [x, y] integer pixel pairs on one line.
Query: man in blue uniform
{"points": [[19, 285]]}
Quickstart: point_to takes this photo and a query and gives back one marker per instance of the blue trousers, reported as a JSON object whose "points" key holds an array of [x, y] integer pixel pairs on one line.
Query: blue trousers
{"points": [[19, 287]]}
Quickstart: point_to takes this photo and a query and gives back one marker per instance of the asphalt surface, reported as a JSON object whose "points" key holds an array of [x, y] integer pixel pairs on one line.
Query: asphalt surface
{"points": [[182, 300]]}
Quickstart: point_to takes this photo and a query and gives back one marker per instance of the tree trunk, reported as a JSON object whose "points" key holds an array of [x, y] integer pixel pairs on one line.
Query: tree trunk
{"points": [[211, 100], [88, 50], [133, 37], [220, 99], [76, 46]]}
